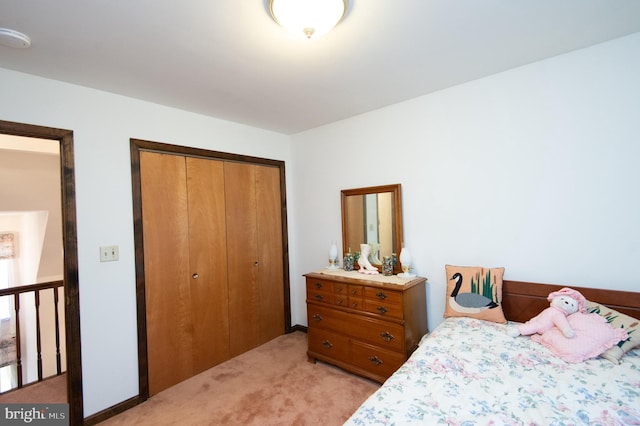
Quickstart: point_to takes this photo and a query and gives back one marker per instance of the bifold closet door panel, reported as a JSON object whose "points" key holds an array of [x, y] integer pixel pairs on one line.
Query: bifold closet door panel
{"points": [[243, 259], [208, 258], [269, 230], [255, 255], [166, 265]]}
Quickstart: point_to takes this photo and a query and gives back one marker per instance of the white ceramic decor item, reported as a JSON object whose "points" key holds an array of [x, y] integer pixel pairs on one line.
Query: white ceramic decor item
{"points": [[375, 252], [405, 262], [365, 266], [333, 256]]}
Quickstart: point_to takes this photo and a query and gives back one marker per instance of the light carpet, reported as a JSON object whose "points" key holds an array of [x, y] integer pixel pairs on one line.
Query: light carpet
{"points": [[52, 390], [273, 384]]}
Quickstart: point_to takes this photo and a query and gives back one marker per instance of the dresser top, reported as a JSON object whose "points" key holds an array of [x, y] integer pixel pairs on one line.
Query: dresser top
{"points": [[355, 277]]}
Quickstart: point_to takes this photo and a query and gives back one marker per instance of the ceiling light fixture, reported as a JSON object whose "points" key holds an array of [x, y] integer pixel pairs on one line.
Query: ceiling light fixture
{"points": [[12, 38], [308, 17]]}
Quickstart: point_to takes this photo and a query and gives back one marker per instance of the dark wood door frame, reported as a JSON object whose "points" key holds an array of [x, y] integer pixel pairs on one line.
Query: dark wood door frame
{"points": [[70, 244], [140, 145]]}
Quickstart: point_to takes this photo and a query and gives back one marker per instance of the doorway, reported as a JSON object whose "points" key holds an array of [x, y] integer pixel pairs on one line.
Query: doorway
{"points": [[70, 270]]}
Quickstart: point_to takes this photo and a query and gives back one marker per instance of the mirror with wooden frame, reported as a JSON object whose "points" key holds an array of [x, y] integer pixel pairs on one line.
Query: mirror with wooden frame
{"points": [[373, 216]]}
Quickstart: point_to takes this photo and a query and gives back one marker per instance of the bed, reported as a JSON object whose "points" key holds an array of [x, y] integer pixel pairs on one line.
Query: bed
{"points": [[468, 371]]}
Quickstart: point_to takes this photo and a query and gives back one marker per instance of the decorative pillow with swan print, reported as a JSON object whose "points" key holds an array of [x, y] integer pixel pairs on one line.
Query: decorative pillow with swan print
{"points": [[618, 320], [475, 292]]}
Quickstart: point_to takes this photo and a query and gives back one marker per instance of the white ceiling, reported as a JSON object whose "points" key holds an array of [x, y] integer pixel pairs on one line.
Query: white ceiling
{"points": [[228, 59]]}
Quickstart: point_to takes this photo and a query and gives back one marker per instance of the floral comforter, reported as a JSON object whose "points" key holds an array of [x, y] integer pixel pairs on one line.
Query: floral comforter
{"points": [[469, 372]]}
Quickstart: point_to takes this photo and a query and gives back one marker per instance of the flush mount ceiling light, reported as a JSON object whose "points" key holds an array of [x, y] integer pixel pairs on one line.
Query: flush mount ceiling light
{"points": [[308, 17], [11, 38]]}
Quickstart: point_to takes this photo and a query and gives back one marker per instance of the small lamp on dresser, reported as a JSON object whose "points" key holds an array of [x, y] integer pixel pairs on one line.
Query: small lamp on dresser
{"points": [[405, 262], [333, 256]]}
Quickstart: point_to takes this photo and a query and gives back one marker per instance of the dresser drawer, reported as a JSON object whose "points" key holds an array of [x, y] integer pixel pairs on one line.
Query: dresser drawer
{"points": [[380, 333], [356, 302], [320, 291], [382, 308], [383, 295], [318, 296], [374, 359], [341, 300], [315, 284], [326, 318], [341, 288], [328, 344], [356, 290]]}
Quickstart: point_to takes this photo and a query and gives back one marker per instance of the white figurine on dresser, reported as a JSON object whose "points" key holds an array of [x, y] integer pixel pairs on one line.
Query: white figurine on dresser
{"points": [[365, 266]]}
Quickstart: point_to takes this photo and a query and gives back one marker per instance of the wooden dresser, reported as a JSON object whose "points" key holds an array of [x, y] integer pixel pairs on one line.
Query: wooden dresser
{"points": [[368, 325]]}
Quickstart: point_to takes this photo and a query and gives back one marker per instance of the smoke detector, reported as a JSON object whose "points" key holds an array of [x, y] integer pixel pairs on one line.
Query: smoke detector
{"points": [[12, 38]]}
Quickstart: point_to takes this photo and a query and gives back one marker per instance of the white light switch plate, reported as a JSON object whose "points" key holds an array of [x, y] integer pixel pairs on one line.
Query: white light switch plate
{"points": [[109, 253]]}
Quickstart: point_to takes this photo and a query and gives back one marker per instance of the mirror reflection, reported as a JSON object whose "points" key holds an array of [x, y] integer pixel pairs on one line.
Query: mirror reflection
{"points": [[372, 216]]}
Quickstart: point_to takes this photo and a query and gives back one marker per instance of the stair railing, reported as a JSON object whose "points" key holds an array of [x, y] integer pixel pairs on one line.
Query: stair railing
{"points": [[15, 292]]}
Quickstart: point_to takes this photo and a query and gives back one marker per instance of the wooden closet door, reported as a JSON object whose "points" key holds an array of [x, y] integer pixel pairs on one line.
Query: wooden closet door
{"points": [[166, 265], [208, 260], [243, 260], [270, 279], [185, 266], [254, 247]]}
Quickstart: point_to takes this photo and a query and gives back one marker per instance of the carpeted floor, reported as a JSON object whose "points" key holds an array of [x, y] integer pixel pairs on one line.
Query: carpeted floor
{"points": [[52, 390], [273, 384]]}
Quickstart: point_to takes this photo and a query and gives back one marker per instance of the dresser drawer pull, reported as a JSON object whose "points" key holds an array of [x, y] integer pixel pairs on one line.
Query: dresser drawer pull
{"points": [[380, 295], [354, 291], [340, 301], [317, 317], [319, 297], [375, 360], [387, 337], [327, 344], [382, 309]]}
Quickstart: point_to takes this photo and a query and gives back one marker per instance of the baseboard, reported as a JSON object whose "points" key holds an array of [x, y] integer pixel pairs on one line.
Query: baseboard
{"points": [[112, 411], [299, 327]]}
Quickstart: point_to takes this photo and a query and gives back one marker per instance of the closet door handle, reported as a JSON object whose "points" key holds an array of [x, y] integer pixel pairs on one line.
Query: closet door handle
{"points": [[195, 276]]}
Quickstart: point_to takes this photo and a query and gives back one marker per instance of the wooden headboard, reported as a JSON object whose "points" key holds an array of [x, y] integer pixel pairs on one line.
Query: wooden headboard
{"points": [[522, 301]]}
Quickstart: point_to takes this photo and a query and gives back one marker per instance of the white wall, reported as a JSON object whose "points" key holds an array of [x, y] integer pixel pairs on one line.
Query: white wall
{"points": [[535, 169], [103, 124]]}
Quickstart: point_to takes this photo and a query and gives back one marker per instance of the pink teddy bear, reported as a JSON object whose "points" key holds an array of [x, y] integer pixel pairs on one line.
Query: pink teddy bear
{"points": [[563, 303]]}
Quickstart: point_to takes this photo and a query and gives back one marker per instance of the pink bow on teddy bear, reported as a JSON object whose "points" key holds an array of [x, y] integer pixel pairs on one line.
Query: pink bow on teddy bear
{"points": [[564, 302]]}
